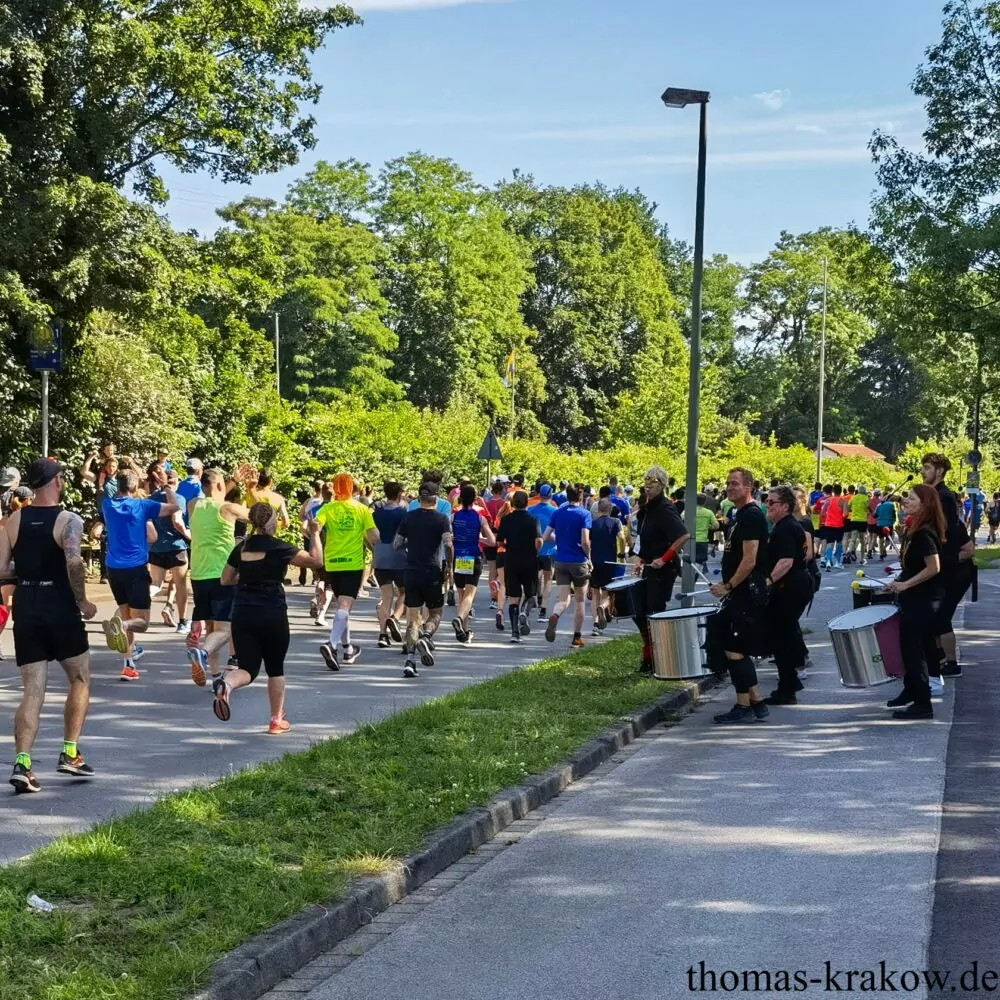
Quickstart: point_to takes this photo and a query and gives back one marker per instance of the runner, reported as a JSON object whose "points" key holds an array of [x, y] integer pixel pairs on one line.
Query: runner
{"points": [[606, 540], [389, 565], [470, 530], [126, 517], [833, 515], [520, 537], [993, 518], [349, 527], [213, 522], [307, 514], [263, 493], [858, 508], [706, 526], [260, 614], [570, 526], [422, 533], [190, 489], [493, 507], [542, 512], [168, 557], [43, 540], [322, 588]]}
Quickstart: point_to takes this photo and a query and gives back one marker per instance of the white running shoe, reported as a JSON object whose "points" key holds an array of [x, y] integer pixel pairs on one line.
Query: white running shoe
{"points": [[937, 686]]}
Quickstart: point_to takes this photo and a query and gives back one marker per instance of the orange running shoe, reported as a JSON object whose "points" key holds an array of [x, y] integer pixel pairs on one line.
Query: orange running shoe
{"points": [[279, 724], [577, 643], [129, 674]]}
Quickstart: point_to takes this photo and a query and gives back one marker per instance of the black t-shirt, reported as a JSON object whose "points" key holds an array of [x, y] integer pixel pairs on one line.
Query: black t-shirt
{"points": [[916, 548], [810, 529], [517, 533], [387, 520], [749, 525], [260, 580], [787, 541], [423, 530], [956, 534]]}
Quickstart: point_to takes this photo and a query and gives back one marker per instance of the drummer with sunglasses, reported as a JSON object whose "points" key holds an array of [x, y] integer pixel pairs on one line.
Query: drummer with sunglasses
{"points": [[662, 536]]}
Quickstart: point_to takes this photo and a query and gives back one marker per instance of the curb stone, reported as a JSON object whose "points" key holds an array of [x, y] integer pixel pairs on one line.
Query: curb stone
{"points": [[255, 967]]}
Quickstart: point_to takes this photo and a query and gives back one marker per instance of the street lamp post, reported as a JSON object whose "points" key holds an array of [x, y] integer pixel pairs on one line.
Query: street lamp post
{"points": [[822, 377], [674, 97]]}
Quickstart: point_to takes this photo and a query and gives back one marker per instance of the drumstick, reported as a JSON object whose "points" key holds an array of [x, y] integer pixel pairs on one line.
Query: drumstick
{"points": [[694, 566]]}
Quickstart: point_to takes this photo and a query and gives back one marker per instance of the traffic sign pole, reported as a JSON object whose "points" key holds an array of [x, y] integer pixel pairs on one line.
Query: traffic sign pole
{"points": [[45, 413]]}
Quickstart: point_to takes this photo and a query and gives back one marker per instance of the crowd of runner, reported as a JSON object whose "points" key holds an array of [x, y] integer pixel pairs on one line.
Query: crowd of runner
{"points": [[219, 550]]}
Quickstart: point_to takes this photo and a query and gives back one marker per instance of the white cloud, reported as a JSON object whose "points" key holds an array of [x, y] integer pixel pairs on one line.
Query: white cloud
{"points": [[755, 157], [363, 5], [774, 100], [810, 128]]}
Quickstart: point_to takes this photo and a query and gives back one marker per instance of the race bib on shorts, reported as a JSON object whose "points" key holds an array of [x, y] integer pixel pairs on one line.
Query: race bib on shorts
{"points": [[465, 565]]}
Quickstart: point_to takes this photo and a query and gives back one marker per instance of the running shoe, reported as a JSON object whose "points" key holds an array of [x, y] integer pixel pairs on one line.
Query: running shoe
{"points": [[522, 624], [183, 627], [410, 669], [541, 614], [232, 663], [595, 633], [76, 766], [426, 636], [602, 618], [138, 652], [279, 724], [198, 659], [392, 627], [383, 641], [456, 624], [516, 639], [349, 654], [451, 597], [550, 629], [914, 712], [23, 779], [467, 641], [114, 632], [168, 615], [737, 714], [494, 593], [221, 688], [577, 643], [329, 656], [424, 649], [500, 624], [129, 674], [321, 621], [313, 608]]}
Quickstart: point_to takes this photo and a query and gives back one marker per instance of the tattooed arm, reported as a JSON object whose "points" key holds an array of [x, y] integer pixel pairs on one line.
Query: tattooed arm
{"points": [[72, 536]]}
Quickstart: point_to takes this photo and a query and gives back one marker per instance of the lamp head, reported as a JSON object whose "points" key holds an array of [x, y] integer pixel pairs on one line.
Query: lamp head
{"points": [[678, 97]]}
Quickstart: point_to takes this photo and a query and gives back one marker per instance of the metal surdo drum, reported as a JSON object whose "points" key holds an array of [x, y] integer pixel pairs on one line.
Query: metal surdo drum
{"points": [[678, 639], [867, 647], [867, 592], [625, 594]]}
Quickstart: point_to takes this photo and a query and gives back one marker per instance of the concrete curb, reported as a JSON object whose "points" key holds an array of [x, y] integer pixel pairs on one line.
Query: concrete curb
{"points": [[255, 967]]}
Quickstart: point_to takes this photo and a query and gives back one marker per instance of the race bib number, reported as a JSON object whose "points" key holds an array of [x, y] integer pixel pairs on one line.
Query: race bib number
{"points": [[466, 565]]}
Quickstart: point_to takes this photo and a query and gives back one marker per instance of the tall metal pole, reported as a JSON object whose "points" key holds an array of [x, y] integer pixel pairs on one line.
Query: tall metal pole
{"points": [[513, 390], [45, 413], [822, 378], [277, 354], [694, 391]]}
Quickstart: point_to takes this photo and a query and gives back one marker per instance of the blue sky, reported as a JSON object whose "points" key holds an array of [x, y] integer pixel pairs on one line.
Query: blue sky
{"points": [[569, 90]]}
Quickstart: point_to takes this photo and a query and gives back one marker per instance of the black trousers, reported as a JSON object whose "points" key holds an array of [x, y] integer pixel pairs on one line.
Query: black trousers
{"points": [[918, 638], [784, 610], [957, 580]]}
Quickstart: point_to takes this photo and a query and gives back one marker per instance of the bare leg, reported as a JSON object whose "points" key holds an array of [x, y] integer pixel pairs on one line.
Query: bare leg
{"points": [[216, 640], [580, 611], [34, 676], [78, 700], [180, 575], [383, 611], [466, 596], [276, 695]]}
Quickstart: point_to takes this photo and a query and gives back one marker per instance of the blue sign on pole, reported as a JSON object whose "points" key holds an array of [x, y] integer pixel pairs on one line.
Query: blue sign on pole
{"points": [[45, 345]]}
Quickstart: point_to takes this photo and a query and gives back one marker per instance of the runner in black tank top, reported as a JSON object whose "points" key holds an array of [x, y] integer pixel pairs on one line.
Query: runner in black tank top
{"points": [[43, 543]]}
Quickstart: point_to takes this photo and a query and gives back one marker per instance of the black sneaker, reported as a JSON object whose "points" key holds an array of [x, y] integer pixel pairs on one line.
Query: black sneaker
{"points": [[781, 698], [426, 636], [900, 701], [392, 627], [550, 629], [915, 712], [349, 654], [501, 627], [541, 614], [329, 656], [451, 597], [424, 650], [522, 623], [738, 713], [409, 669], [23, 779], [951, 669], [456, 624], [383, 641], [232, 662], [76, 766], [516, 639], [760, 710]]}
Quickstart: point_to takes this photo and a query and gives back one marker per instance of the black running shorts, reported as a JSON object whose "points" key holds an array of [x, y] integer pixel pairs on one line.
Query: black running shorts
{"points": [[389, 577], [131, 587], [470, 579], [168, 560], [424, 589], [520, 581], [344, 582], [212, 601]]}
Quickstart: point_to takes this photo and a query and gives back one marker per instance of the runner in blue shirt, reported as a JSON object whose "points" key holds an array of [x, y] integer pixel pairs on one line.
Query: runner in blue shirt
{"points": [[570, 526], [168, 555], [542, 512], [470, 531]]}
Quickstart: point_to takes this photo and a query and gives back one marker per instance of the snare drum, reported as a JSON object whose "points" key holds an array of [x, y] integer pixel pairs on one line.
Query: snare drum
{"points": [[678, 642], [625, 598], [867, 646], [870, 592]]}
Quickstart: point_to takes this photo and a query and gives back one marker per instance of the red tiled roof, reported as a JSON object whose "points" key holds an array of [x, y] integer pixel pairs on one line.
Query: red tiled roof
{"points": [[853, 451]]}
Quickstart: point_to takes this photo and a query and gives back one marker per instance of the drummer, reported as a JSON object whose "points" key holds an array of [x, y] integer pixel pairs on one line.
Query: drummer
{"points": [[661, 538], [790, 589], [919, 588], [737, 628]]}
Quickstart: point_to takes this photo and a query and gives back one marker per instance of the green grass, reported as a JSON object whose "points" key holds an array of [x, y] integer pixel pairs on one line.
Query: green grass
{"points": [[147, 903], [986, 556]]}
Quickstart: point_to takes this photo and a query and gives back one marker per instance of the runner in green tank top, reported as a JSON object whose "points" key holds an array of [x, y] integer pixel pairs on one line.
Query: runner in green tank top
{"points": [[213, 523]]}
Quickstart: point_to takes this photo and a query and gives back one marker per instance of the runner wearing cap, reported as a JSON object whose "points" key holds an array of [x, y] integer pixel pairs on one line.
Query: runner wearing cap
{"points": [[421, 535], [349, 527], [10, 480], [50, 603], [125, 518]]}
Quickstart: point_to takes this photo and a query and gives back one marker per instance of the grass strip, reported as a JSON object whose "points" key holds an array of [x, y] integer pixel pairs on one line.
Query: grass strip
{"points": [[987, 555], [146, 904]]}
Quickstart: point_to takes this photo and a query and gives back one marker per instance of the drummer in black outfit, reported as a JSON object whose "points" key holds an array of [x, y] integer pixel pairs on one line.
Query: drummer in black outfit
{"points": [[919, 588], [957, 566], [662, 536], [790, 590], [738, 627]]}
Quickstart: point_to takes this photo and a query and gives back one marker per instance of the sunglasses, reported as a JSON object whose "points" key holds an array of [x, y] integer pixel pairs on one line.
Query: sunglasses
{"points": [[771, 503]]}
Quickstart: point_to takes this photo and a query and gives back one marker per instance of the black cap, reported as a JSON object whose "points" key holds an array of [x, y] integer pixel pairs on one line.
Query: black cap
{"points": [[42, 471], [518, 480], [429, 489]]}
